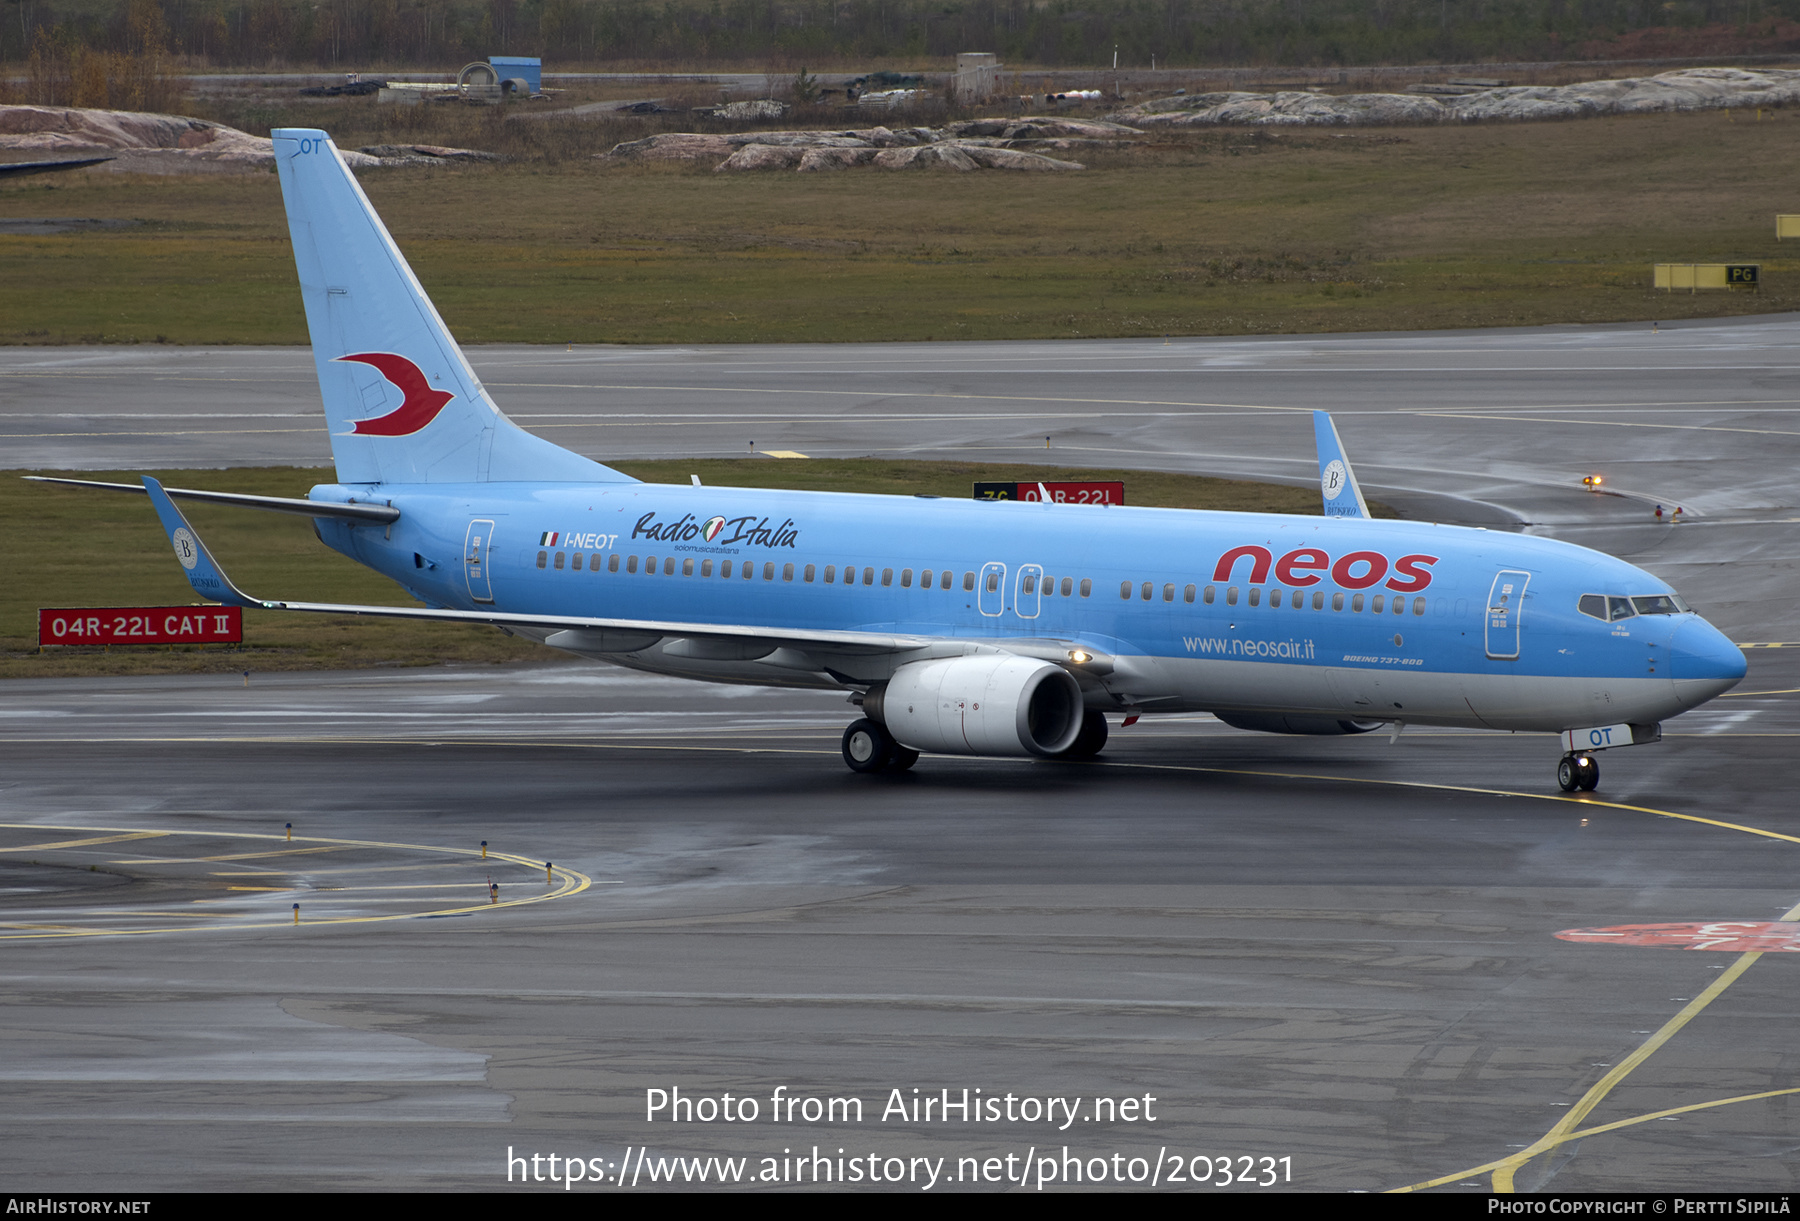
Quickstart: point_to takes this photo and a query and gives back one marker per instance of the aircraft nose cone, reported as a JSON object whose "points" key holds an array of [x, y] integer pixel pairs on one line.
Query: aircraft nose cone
{"points": [[1703, 663]]}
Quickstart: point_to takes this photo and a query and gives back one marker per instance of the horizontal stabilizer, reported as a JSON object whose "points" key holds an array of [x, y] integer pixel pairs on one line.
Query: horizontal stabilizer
{"points": [[244, 500]]}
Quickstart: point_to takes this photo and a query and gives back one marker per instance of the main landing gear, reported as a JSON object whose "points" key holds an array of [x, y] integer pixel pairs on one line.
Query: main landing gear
{"points": [[1578, 772], [869, 748]]}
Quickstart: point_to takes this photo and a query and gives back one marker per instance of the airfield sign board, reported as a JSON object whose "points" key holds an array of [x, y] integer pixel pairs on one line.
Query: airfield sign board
{"points": [[140, 625], [1097, 492]]}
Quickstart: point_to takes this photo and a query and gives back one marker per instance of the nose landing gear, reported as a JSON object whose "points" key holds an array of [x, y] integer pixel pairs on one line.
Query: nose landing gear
{"points": [[1578, 773]]}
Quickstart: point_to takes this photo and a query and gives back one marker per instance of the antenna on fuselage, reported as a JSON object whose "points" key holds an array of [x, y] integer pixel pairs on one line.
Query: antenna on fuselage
{"points": [[1337, 482]]}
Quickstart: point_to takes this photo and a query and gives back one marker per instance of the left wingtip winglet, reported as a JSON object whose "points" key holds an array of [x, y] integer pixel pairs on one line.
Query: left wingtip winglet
{"points": [[207, 578], [1337, 482]]}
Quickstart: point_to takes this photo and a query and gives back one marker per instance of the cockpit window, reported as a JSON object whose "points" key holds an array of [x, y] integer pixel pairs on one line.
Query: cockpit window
{"points": [[1611, 610]]}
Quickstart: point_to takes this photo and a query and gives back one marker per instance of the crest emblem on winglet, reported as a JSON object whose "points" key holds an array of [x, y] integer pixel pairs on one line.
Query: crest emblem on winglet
{"points": [[420, 406]]}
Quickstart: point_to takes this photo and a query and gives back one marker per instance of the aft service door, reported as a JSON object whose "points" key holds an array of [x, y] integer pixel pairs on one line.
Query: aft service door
{"points": [[992, 590], [475, 560], [1506, 605], [1025, 599]]}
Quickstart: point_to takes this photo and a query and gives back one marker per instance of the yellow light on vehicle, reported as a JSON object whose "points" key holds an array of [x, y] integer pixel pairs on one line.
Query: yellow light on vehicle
{"points": [[1593, 483]]}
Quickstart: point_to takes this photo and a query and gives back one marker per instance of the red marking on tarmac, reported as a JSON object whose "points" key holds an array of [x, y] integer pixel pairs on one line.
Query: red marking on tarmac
{"points": [[421, 405], [1726, 936]]}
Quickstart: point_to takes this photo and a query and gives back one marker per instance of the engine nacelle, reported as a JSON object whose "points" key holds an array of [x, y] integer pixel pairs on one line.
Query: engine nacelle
{"points": [[988, 704], [1284, 722]]}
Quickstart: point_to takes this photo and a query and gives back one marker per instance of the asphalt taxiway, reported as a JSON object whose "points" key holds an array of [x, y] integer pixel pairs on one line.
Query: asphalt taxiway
{"points": [[1344, 953]]}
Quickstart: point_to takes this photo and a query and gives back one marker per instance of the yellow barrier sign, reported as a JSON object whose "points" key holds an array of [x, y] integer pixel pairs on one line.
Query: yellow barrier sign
{"points": [[1696, 276], [1787, 225]]}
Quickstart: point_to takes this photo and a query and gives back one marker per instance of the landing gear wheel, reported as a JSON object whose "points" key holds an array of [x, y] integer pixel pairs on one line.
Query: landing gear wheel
{"points": [[1578, 772], [1566, 779], [1092, 738], [904, 758], [867, 747]]}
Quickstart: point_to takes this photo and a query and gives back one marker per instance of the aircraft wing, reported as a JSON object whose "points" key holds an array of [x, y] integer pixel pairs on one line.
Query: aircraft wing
{"points": [[583, 634], [244, 500], [1337, 482]]}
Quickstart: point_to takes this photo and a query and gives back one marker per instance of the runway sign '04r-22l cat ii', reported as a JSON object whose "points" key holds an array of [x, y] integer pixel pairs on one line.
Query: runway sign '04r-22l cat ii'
{"points": [[959, 627]]}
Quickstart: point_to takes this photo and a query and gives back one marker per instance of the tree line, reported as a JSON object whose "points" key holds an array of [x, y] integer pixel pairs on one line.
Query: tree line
{"points": [[350, 35]]}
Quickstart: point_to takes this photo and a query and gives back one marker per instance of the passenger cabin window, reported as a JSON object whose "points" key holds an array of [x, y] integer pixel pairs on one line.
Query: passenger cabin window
{"points": [[968, 582], [831, 574], [594, 562], [669, 567], [868, 576], [1377, 603], [887, 577], [926, 578], [1187, 595], [1207, 595], [612, 562], [724, 568], [1231, 595], [575, 562], [749, 569], [1418, 606], [543, 558], [787, 572], [1318, 599], [1168, 593], [993, 582], [559, 560], [1125, 590], [1087, 586], [1144, 591], [1068, 586], [1028, 584], [809, 573], [769, 571], [706, 568], [631, 563], [1255, 595], [687, 568], [1356, 602], [1337, 601]]}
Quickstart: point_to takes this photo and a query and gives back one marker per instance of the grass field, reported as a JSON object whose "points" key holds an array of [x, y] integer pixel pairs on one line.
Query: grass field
{"points": [[1210, 233], [84, 548]]}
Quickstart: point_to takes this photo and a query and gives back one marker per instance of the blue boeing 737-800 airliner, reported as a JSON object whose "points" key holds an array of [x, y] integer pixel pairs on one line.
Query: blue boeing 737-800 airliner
{"points": [[961, 627]]}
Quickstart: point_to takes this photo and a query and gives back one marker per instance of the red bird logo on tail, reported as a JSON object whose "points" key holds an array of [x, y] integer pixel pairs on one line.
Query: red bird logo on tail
{"points": [[420, 407]]}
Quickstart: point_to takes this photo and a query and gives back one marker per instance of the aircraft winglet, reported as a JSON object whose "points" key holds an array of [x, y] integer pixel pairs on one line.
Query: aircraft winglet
{"points": [[207, 578], [1337, 482]]}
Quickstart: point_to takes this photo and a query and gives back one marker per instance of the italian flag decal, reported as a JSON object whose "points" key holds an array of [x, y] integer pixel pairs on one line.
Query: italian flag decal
{"points": [[548, 538]]}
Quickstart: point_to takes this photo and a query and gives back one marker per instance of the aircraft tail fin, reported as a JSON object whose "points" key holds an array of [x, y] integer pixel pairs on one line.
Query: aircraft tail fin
{"points": [[1337, 482], [401, 402]]}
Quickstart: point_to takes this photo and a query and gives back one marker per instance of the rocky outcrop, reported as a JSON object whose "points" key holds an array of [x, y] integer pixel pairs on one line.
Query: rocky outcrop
{"points": [[671, 146], [425, 154], [818, 151], [1687, 89], [1042, 129], [146, 143]]}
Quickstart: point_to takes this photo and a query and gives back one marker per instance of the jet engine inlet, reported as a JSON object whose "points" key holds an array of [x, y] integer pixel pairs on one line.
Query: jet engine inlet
{"points": [[992, 704]]}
